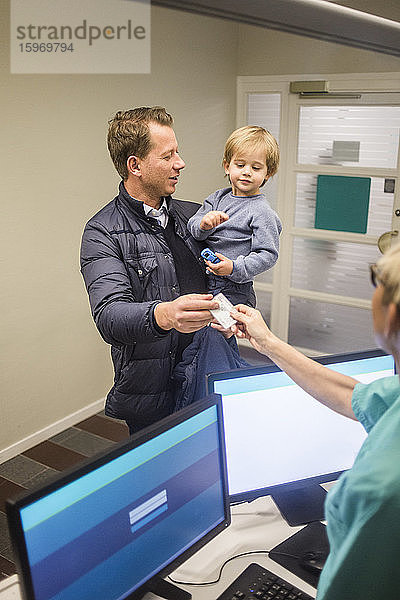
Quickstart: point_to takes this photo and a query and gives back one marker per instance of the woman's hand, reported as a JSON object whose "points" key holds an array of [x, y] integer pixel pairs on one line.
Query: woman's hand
{"points": [[251, 325], [329, 387]]}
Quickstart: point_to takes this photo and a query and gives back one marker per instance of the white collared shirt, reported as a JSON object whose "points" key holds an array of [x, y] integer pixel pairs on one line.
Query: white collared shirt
{"points": [[161, 214]]}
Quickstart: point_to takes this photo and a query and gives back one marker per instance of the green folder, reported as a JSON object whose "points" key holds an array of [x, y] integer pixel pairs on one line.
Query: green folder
{"points": [[342, 203]]}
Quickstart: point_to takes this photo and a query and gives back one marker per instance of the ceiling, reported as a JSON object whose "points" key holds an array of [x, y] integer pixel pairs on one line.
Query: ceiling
{"points": [[313, 18]]}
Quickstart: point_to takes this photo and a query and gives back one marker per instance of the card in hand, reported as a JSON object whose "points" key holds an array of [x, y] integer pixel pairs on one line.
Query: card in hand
{"points": [[222, 314]]}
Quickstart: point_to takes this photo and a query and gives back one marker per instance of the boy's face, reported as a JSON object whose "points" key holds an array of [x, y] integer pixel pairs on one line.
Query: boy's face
{"points": [[247, 172]]}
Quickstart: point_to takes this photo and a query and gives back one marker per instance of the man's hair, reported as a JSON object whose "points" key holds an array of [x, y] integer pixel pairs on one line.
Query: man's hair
{"points": [[253, 138], [389, 274], [129, 134]]}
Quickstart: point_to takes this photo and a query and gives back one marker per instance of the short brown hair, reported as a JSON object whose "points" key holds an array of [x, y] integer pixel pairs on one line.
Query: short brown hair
{"points": [[252, 137], [129, 134]]}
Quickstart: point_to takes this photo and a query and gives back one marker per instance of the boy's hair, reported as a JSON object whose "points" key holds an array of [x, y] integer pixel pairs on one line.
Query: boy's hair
{"points": [[389, 274], [249, 138], [129, 134]]}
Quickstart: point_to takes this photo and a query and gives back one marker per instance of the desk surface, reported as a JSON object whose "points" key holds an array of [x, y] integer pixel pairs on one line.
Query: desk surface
{"points": [[255, 526]]}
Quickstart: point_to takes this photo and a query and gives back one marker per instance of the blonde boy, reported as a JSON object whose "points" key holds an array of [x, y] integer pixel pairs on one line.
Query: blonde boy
{"points": [[237, 223]]}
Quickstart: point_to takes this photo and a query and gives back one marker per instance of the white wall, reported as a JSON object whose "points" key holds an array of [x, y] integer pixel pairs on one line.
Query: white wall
{"points": [[56, 173]]}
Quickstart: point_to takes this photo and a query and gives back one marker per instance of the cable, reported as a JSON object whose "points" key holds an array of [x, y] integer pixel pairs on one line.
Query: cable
{"points": [[249, 501], [225, 563], [240, 502]]}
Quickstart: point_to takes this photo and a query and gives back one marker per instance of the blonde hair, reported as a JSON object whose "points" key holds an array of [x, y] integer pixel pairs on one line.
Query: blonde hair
{"points": [[389, 274], [250, 138], [129, 134]]}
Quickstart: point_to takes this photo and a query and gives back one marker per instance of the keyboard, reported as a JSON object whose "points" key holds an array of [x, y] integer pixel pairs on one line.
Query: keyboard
{"points": [[258, 582]]}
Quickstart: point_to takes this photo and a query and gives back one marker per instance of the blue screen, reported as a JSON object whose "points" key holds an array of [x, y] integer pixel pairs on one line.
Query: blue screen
{"points": [[109, 531]]}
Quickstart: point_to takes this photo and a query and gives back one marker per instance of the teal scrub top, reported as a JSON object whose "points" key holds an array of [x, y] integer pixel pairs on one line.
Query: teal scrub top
{"points": [[363, 509]]}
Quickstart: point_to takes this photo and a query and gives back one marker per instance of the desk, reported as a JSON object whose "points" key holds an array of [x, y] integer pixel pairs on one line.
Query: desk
{"points": [[255, 526]]}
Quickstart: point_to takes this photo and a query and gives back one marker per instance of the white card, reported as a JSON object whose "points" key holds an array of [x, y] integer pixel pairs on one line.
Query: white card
{"points": [[222, 314]]}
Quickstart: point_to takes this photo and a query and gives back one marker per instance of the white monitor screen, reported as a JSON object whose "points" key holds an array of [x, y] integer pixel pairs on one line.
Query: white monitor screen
{"points": [[275, 433]]}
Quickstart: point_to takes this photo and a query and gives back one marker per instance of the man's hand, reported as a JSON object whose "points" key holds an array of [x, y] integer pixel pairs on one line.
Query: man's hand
{"points": [[227, 333], [212, 219], [224, 267], [185, 314]]}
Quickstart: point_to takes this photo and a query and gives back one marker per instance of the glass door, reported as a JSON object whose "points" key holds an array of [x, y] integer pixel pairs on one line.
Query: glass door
{"points": [[318, 295]]}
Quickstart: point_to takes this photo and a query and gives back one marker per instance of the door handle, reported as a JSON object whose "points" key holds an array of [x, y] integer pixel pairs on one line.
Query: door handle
{"points": [[385, 240]]}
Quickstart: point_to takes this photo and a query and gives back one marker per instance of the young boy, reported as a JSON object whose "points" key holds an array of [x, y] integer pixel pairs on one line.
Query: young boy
{"points": [[239, 225]]}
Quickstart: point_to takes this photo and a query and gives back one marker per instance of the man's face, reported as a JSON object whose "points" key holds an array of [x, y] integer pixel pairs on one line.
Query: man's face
{"points": [[161, 167]]}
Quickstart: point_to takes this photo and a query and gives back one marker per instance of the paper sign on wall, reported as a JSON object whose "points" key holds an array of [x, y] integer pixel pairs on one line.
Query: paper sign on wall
{"points": [[342, 203]]}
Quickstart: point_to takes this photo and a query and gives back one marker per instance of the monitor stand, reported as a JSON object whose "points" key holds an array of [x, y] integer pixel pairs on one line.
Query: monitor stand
{"points": [[165, 589], [301, 505]]}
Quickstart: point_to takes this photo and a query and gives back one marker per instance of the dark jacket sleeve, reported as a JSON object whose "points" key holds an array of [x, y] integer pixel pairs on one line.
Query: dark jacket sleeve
{"points": [[119, 317]]}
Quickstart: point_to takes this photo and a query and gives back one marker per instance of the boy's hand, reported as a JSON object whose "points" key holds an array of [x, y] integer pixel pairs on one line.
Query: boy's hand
{"points": [[225, 267], [212, 219]]}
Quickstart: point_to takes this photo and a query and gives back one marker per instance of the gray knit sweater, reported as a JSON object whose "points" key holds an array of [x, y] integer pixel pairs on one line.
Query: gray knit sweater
{"points": [[250, 237]]}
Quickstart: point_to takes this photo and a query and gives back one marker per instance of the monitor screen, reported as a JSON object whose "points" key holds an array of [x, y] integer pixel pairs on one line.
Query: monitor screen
{"points": [[279, 440], [108, 527]]}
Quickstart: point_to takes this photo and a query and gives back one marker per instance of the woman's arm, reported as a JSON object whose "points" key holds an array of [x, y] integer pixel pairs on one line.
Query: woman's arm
{"points": [[333, 389]]}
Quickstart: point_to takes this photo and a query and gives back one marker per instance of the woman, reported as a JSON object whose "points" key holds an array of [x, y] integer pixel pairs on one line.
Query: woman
{"points": [[363, 508]]}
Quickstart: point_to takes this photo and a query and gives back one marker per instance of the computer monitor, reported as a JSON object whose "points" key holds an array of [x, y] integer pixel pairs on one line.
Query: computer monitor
{"points": [[282, 442], [114, 526]]}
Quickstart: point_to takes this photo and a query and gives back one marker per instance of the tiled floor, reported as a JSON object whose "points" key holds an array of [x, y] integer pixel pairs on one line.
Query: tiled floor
{"points": [[34, 466], [61, 452]]}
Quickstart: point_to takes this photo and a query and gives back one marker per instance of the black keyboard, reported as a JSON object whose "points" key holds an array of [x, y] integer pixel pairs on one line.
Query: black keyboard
{"points": [[258, 582]]}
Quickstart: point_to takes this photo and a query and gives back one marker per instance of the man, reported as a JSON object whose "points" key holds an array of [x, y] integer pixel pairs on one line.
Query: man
{"points": [[142, 270]]}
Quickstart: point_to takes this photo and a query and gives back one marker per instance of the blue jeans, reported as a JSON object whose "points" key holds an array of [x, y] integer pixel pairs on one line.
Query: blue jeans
{"points": [[237, 293]]}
